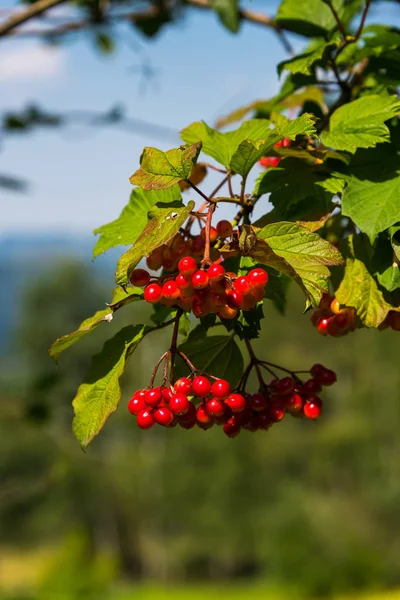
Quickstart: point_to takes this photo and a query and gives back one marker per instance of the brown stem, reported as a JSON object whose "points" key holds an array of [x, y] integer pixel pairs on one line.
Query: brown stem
{"points": [[337, 19], [363, 17], [219, 186], [255, 362], [32, 11], [207, 250], [163, 357], [230, 187], [196, 189], [174, 341]]}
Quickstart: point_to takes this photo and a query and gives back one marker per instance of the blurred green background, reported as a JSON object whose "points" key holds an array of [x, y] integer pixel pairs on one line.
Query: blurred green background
{"points": [[304, 510]]}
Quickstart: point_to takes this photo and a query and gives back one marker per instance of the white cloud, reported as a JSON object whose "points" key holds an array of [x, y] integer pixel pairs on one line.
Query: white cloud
{"points": [[29, 63]]}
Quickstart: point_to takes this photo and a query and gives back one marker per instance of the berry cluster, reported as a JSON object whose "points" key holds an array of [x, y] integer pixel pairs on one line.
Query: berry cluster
{"points": [[392, 320], [203, 403], [273, 161], [330, 319], [204, 290], [168, 255]]}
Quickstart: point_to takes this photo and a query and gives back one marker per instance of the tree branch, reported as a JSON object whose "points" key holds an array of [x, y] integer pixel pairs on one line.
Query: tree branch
{"points": [[32, 11]]}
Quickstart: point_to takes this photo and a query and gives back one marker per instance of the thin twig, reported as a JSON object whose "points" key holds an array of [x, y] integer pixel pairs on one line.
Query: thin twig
{"points": [[337, 19], [207, 250], [30, 12]]}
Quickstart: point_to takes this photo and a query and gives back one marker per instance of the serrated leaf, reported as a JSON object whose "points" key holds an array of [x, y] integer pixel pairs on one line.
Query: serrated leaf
{"points": [[197, 174], [294, 182], [160, 170], [372, 195], [300, 254], [361, 123], [304, 63], [125, 230], [120, 298], [222, 146], [158, 231], [228, 12], [248, 152], [308, 17], [218, 355], [360, 290], [394, 233], [99, 394]]}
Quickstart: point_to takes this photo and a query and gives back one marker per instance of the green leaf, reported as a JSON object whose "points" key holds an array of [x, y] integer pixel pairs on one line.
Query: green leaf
{"points": [[360, 290], [99, 394], [298, 253], [125, 230], [222, 146], [308, 17], [159, 230], [119, 299], [297, 190], [304, 63], [228, 12], [372, 195], [105, 43], [160, 170], [361, 123], [303, 125], [394, 233], [218, 355]]}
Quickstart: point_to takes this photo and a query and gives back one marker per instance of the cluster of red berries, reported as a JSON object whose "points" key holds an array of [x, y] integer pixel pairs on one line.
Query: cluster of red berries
{"points": [[273, 161], [392, 320], [202, 403], [168, 255], [204, 290], [330, 319]]}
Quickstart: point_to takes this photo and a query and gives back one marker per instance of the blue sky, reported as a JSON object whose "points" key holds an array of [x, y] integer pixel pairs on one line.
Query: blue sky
{"points": [[79, 177]]}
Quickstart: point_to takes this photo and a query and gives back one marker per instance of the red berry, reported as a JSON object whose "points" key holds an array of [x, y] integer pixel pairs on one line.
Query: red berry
{"points": [[312, 408], [257, 278], [232, 428], [183, 385], [163, 416], [263, 420], [258, 401], [215, 407], [187, 265], [234, 299], [153, 397], [139, 277], [322, 326], [342, 321], [183, 282], [327, 377], [188, 418], [224, 229], [202, 415], [199, 279], [312, 386], [269, 161], [285, 386], [276, 413], [220, 388], [249, 301], [145, 419], [136, 404], [179, 404], [153, 293], [167, 393], [201, 386], [242, 285], [316, 370], [170, 290], [294, 404], [236, 402], [216, 272]]}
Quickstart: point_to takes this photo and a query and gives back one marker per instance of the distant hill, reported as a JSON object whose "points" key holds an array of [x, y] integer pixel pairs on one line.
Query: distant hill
{"points": [[24, 257]]}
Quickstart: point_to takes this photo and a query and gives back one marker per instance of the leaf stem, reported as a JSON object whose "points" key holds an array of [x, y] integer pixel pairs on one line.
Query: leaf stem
{"points": [[207, 250], [255, 362], [172, 349], [337, 19], [165, 356]]}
